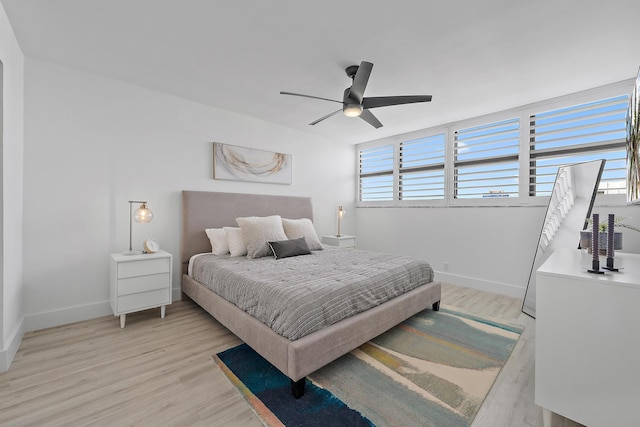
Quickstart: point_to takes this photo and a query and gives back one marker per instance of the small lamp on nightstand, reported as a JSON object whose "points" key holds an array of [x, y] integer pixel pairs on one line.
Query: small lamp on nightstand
{"points": [[143, 214], [341, 213]]}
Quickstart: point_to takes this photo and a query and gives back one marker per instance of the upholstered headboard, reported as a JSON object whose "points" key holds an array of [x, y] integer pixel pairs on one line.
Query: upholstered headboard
{"points": [[204, 209]]}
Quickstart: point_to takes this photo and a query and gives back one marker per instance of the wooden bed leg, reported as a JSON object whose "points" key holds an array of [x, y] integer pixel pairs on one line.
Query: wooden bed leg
{"points": [[436, 306], [297, 388]]}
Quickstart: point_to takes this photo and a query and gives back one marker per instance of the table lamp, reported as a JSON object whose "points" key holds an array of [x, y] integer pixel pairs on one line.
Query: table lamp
{"points": [[143, 214], [341, 213]]}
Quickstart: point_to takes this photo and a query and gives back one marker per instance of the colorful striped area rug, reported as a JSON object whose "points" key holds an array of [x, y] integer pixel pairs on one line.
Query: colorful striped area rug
{"points": [[434, 369]]}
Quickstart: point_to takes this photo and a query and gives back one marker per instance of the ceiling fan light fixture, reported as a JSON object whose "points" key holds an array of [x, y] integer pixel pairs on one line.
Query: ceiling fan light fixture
{"points": [[352, 110]]}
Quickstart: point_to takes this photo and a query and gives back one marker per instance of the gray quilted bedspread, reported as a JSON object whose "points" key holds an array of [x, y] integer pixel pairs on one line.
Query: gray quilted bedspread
{"points": [[299, 295]]}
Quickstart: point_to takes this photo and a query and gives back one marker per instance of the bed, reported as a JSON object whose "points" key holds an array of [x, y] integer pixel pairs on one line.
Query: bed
{"points": [[299, 357]]}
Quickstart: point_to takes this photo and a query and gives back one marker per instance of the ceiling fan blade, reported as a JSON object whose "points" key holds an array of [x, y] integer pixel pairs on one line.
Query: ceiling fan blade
{"points": [[385, 101], [309, 96], [368, 117], [360, 81], [325, 117]]}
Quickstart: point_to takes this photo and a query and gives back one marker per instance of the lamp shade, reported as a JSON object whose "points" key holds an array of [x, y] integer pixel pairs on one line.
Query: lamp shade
{"points": [[143, 214]]}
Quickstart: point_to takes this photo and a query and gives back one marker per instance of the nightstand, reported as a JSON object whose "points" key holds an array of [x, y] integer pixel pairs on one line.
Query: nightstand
{"points": [[139, 282], [340, 241]]}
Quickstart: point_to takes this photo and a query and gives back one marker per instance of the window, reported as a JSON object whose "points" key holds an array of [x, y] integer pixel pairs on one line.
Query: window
{"points": [[486, 160], [581, 133], [376, 174], [422, 168], [507, 158]]}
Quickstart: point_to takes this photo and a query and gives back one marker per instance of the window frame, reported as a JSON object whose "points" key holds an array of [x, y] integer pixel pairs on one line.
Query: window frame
{"points": [[523, 113]]}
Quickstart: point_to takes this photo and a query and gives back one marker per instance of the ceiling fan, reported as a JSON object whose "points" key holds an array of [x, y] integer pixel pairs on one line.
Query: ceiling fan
{"points": [[355, 104]]}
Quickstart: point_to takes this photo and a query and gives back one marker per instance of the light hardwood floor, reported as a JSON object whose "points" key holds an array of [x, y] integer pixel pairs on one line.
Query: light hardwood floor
{"points": [[159, 372]]}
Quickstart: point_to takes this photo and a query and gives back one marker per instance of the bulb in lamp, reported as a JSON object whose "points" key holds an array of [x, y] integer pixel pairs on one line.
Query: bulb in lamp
{"points": [[352, 110]]}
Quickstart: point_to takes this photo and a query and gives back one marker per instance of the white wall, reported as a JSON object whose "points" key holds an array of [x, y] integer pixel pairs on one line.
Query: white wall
{"points": [[92, 144], [11, 306], [489, 248], [492, 246]]}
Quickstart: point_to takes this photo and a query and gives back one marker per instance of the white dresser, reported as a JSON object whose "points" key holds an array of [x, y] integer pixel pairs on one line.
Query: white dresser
{"points": [[139, 282], [588, 341]]}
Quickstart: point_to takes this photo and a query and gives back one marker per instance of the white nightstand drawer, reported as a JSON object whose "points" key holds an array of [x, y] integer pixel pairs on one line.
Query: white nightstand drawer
{"points": [[133, 285], [142, 300], [143, 267]]}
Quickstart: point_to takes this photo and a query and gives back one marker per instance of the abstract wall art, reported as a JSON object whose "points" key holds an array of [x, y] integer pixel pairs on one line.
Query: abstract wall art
{"points": [[235, 163]]}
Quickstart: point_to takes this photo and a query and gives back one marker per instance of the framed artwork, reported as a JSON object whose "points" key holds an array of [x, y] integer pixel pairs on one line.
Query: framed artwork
{"points": [[235, 163]]}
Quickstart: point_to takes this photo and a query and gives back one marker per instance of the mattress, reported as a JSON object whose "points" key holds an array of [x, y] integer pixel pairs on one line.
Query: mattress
{"points": [[300, 295]]}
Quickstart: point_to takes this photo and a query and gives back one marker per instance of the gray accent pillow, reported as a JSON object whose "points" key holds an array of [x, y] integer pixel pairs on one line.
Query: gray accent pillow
{"points": [[303, 227], [257, 231], [289, 248]]}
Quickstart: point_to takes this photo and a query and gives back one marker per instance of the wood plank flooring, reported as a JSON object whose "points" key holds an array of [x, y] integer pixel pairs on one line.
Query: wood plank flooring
{"points": [[159, 372]]}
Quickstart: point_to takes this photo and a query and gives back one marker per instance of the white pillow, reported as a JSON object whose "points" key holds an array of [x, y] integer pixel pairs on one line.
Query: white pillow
{"points": [[235, 241], [218, 239], [303, 227], [257, 231]]}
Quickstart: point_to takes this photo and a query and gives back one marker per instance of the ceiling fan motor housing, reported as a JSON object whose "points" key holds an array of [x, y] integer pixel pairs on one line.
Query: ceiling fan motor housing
{"points": [[351, 71]]}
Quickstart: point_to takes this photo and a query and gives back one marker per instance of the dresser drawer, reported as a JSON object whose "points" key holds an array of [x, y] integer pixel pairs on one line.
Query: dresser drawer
{"points": [[133, 285], [143, 267], [142, 300]]}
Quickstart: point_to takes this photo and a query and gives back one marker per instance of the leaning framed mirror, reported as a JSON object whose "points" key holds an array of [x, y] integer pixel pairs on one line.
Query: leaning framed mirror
{"points": [[570, 204]]}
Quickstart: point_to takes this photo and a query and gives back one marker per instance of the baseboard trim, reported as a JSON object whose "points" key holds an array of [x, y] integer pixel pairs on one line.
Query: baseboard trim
{"points": [[483, 285], [7, 355], [79, 313], [67, 315]]}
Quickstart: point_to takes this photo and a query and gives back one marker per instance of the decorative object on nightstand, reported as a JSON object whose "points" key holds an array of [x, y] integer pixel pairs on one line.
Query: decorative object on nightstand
{"points": [[341, 213], [342, 241], [139, 282], [150, 245], [143, 214]]}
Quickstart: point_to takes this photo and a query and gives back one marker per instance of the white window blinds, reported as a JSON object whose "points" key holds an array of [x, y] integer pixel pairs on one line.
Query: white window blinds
{"points": [[421, 168], [486, 160], [503, 159], [576, 134], [376, 174]]}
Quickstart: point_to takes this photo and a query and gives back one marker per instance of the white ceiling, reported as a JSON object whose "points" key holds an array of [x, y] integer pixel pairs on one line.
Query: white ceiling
{"points": [[473, 56]]}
